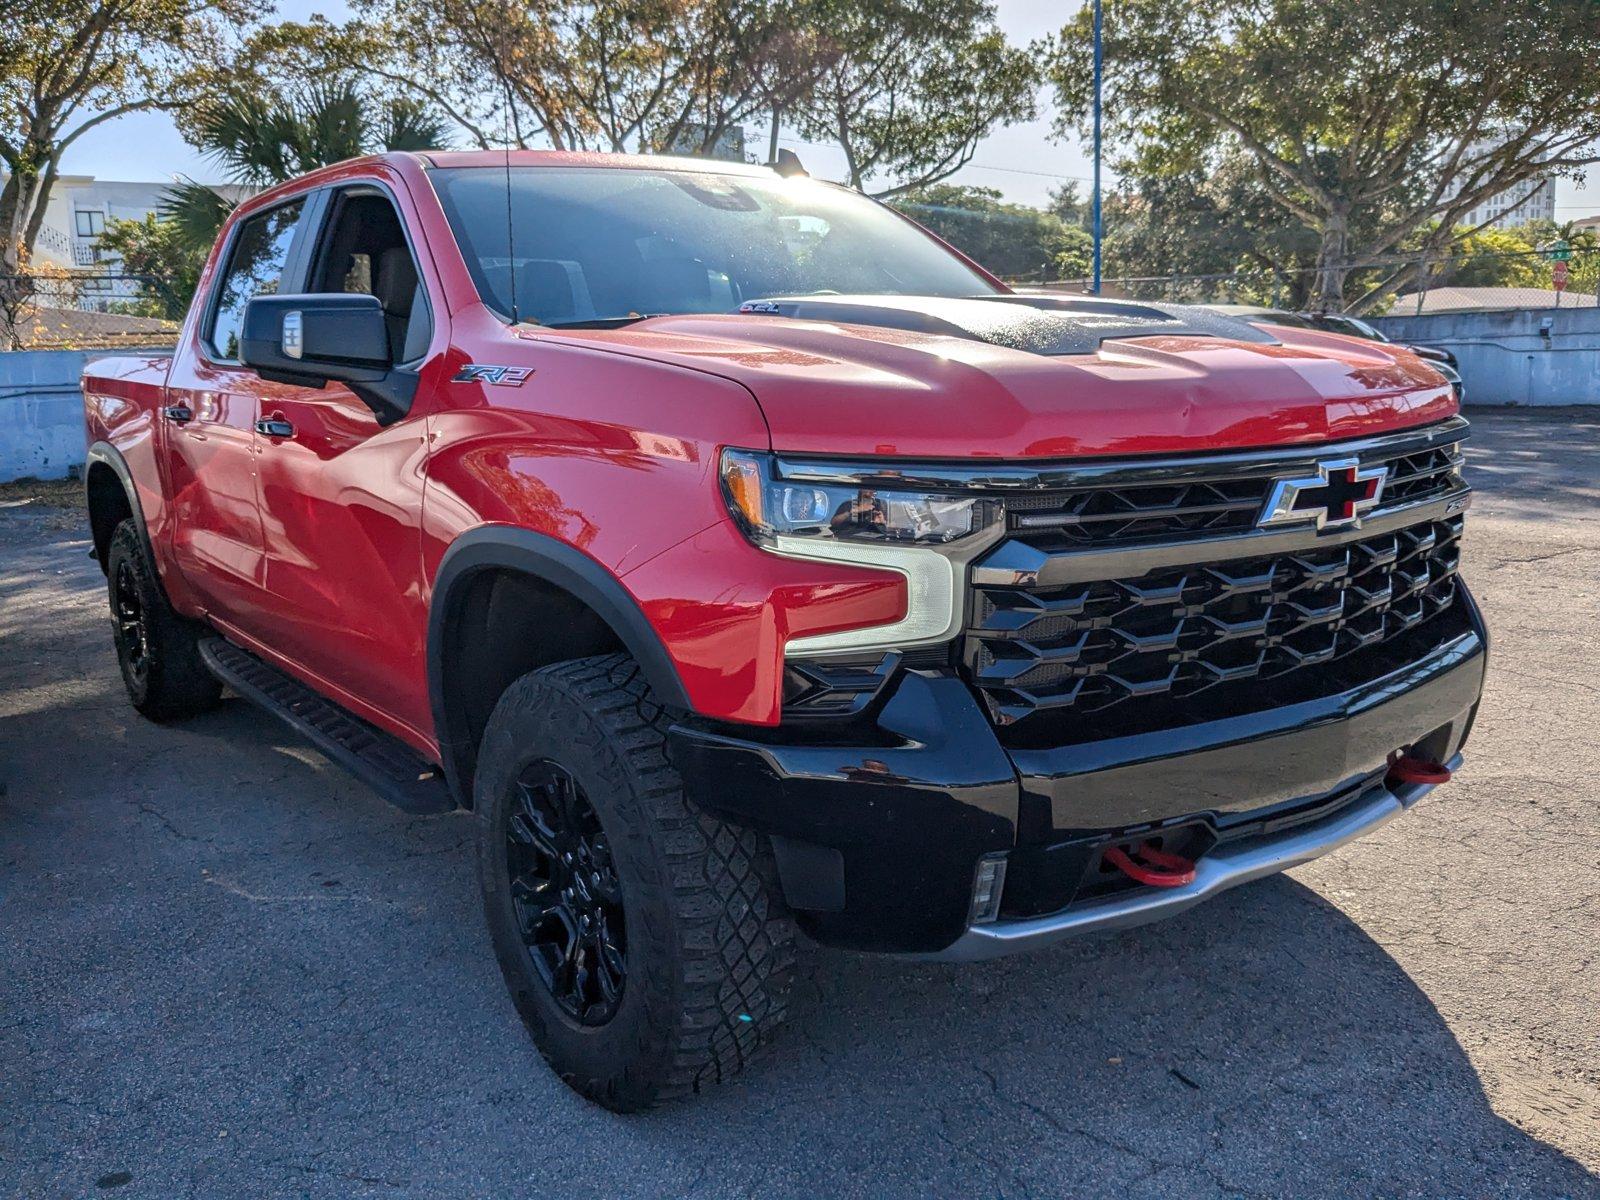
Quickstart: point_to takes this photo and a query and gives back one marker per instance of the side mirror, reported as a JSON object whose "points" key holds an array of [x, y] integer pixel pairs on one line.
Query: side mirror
{"points": [[310, 340]]}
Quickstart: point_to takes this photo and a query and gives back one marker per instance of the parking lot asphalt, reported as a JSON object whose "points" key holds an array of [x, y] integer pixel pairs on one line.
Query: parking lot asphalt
{"points": [[229, 970]]}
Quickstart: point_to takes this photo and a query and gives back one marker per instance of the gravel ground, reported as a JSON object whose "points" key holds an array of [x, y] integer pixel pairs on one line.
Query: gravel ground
{"points": [[226, 969]]}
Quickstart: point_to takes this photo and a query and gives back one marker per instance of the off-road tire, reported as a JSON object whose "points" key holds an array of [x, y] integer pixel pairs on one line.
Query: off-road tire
{"points": [[709, 945], [167, 679]]}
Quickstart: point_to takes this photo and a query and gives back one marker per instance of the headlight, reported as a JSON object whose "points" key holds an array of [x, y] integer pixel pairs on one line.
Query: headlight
{"points": [[768, 508], [927, 537]]}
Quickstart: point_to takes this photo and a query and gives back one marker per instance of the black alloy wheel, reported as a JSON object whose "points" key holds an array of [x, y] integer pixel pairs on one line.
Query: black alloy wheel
{"points": [[565, 892], [132, 625]]}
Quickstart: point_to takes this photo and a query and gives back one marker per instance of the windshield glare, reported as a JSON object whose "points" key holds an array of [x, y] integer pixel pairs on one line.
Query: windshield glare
{"points": [[593, 244]]}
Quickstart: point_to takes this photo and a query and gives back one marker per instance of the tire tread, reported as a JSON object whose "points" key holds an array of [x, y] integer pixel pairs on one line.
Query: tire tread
{"points": [[734, 942]]}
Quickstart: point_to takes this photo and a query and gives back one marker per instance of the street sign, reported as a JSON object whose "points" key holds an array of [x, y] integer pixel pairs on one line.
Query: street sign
{"points": [[1559, 250], [1558, 275]]}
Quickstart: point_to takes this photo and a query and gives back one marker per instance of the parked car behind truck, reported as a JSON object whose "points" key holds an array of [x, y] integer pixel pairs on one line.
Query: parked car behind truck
{"points": [[749, 563], [1440, 359]]}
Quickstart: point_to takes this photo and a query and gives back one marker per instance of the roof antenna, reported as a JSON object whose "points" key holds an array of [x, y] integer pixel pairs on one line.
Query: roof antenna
{"points": [[788, 165], [510, 127], [511, 245]]}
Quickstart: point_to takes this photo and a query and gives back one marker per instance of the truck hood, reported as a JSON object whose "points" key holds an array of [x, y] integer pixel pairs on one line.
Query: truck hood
{"points": [[1035, 377]]}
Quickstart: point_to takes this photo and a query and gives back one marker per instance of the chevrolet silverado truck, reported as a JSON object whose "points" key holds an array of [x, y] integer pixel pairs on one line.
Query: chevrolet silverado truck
{"points": [[751, 563]]}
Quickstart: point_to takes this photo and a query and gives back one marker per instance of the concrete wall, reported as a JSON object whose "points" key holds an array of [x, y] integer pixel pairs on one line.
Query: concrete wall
{"points": [[1504, 357], [41, 415]]}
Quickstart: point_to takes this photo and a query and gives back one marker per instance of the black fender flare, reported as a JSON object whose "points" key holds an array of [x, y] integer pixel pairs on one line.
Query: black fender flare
{"points": [[103, 453], [506, 547]]}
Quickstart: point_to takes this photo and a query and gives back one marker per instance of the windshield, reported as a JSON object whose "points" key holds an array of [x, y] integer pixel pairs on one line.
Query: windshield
{"points": [[606, 243]]}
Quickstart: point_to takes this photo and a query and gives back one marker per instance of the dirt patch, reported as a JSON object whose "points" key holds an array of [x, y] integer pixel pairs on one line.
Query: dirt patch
{"points": [[44, 493], [55, 505]]}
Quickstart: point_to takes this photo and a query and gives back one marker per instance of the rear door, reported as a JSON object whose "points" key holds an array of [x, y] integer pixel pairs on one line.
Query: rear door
{"points": [[341, 495], [212, 408]]}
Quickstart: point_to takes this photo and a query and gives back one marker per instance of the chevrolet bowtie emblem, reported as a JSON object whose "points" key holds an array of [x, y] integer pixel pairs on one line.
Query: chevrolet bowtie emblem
{"points": [[1338, 495]]}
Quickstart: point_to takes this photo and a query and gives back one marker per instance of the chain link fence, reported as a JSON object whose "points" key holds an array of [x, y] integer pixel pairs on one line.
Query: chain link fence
{"points": [[1397, 286], [71, 310]]}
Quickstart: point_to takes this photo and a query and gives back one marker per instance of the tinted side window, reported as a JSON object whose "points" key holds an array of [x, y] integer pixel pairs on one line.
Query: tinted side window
{"points": [[364, 250], [255, 268]]}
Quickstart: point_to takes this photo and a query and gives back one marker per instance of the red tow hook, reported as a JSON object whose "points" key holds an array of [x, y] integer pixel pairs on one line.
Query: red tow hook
{"points": [[1407, 769], [1159, 869]]}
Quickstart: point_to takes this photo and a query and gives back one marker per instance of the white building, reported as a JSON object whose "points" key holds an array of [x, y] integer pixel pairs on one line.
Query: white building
{"points": [[1531, 200], [76, 213]]}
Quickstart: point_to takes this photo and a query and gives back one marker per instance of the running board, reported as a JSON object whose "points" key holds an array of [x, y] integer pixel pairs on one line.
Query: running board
{"points": [[384, 763]]}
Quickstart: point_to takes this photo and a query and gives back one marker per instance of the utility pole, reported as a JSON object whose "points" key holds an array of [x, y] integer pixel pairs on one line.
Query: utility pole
{"points": [[1099, 73]]}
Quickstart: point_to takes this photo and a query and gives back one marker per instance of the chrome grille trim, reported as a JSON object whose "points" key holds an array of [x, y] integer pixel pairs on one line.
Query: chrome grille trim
{"points": [[977, 475], [1015, 563]]}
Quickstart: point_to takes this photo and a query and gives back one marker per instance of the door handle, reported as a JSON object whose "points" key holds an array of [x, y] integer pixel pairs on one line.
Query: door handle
{"points": [[178, 412], [274, 427]]}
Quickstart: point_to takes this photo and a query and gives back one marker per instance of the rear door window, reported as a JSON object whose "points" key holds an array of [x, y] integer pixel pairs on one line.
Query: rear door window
{"points": [[256, 261]]}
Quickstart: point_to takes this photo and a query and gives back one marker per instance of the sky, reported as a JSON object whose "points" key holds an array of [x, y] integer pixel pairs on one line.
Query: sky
{"points": [[1024, 161]]}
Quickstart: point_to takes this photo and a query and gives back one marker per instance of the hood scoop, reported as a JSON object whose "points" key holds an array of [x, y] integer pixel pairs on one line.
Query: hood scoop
{"points": [[1050, 325]]}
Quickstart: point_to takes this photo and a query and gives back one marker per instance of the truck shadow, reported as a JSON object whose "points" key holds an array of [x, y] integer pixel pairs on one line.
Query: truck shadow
{"points": [[1263, 1044]]}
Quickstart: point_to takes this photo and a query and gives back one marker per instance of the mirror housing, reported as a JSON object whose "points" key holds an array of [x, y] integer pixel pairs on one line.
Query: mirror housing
{"points": [[314, 339]]}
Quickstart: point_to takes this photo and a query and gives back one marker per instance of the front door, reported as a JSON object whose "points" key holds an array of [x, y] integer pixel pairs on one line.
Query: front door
{"points": [[341, 495], [209, 423]]}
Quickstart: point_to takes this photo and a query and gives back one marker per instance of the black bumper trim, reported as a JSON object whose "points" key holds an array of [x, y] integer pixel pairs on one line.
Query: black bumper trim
{"points": [[910, 804]]}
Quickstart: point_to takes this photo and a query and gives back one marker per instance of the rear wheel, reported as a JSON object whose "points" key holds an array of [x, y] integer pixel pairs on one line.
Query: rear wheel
{"points": [[158, 651], [643, 940]]}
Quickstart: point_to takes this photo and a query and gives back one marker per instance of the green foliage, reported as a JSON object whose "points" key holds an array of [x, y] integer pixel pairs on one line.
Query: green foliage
{"points": [[913, 87], [69, 66], [1363, 123], [906, 88], [624, 75], [1069, 206], [264, 133], [1011, 240], [158, 250], [1205, 222], [1494, 258]]}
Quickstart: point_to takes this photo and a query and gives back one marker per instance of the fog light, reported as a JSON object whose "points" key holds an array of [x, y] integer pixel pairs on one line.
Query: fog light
{"points": [[986, 889]]}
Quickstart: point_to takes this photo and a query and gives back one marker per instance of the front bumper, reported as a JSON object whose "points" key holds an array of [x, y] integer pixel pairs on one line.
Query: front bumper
{"points": [[878, 833], [1228, 866]]}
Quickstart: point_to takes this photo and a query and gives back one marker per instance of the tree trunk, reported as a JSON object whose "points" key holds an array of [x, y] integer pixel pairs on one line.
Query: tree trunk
{"points": [[22, 208], [772, 143], [8, 209], [41, 202], [1333, 263]]}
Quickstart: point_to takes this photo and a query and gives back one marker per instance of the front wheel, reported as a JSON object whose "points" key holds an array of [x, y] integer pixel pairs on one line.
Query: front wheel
{"points": [[644, 941]]}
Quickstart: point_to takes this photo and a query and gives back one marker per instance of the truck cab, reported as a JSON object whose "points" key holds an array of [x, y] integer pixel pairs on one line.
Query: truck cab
{"points": [[748, 564]]}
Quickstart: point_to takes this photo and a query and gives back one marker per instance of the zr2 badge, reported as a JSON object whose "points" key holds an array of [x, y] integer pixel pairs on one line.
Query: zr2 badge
{"points": [[482, 373]]}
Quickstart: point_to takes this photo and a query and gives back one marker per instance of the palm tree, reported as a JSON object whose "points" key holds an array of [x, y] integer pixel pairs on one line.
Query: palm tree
{"points": [[260, 137]]}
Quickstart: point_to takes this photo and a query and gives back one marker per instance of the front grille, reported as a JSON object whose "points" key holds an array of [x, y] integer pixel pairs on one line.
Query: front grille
{"points": [[1229, 622], [1102, 516]]}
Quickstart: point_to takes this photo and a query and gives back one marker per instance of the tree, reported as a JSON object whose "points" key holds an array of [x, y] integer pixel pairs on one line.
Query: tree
{"points": [[165, 261], [68, 66], [914, 86], [1180, 218], [1011, 240], [1365, 122], [1068, 205], [622, 75], [260, 133]]}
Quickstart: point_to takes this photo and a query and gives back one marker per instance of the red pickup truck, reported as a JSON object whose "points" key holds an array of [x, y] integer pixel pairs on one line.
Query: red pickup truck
{"points": [[749, 561]]}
